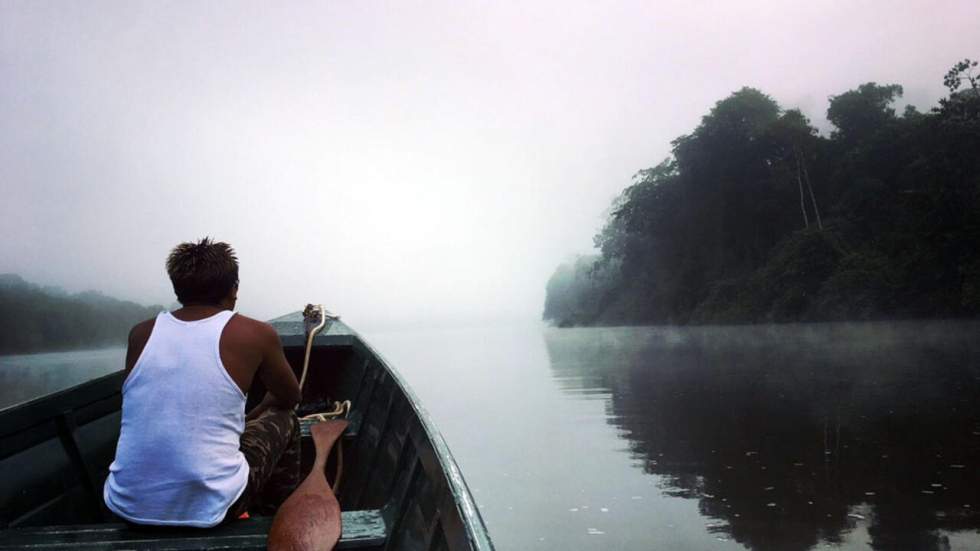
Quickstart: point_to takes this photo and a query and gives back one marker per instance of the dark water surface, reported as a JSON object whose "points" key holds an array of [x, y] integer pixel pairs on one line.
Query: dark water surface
{"points": [[848, 436], [853, 436]]}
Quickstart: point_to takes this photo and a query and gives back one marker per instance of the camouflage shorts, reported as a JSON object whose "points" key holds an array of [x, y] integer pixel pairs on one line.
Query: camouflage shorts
{"points": [[270, 444]]}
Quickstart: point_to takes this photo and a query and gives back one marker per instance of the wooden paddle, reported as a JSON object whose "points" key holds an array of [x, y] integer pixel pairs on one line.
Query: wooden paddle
{"points": [[309, 520]]}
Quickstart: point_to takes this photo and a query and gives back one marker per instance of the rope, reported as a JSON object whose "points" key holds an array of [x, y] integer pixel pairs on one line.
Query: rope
{"points": [[309, 339], [340, 408]]}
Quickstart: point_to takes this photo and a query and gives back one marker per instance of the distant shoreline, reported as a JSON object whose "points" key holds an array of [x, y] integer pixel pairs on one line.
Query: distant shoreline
{"points": [[36, 319]]}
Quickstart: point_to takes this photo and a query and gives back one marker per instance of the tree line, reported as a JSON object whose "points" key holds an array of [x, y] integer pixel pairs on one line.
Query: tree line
{"points": [[34, 319], [756, 217]]}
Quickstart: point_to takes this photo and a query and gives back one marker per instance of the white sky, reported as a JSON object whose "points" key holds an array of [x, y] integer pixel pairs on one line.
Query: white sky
{"points": [[400, 162]]}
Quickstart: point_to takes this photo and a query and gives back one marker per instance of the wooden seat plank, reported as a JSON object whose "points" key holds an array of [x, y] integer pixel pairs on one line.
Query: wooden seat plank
{"points": [[360, 529]]}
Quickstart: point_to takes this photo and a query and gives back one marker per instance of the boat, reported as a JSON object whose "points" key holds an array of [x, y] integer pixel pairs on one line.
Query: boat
{"points": [[400, 489]]}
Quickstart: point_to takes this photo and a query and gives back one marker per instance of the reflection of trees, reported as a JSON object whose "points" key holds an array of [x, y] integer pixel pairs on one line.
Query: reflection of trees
{"points": [[782, 432]]}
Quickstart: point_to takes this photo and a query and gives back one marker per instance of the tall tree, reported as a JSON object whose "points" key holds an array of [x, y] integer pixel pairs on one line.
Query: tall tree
{"points": [[724, 230]]}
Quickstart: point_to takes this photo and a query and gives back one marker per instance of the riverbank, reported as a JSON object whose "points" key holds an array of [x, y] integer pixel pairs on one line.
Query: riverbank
{"points": [[37, 319]]}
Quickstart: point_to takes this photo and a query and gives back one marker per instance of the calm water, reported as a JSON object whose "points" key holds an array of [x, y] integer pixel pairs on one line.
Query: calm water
{"points": [[794, 437], [28, 376], [860, 436]]}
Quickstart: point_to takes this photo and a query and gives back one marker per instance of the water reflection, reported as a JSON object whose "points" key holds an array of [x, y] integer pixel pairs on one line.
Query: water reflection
{"points": [[793, 436]]}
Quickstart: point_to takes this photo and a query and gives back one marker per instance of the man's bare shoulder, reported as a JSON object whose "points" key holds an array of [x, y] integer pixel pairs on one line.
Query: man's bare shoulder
{"points": [[245, 329], [140, 333]]}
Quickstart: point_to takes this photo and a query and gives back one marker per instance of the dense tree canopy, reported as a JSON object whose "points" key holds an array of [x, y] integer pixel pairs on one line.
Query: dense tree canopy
{"points": [[756, 217], [34, 319]]}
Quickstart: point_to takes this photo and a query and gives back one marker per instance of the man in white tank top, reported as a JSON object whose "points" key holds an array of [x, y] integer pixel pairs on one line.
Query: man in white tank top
{"points": [[187, 453]]}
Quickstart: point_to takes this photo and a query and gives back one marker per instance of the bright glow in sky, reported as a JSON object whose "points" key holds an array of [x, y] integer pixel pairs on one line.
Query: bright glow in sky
{"points": [[400, 162]]}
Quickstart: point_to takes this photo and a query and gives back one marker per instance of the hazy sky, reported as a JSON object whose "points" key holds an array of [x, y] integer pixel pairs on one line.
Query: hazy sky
{"points": [[397, 161]]}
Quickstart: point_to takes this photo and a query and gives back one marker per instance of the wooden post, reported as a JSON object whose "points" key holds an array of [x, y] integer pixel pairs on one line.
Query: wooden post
{"points": [[65, 425]]}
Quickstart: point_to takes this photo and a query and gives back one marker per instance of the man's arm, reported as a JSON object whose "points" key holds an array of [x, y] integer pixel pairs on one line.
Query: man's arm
{"points": [[282, 388]]}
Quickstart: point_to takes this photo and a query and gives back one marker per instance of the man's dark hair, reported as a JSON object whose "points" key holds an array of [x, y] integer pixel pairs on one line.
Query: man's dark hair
{"points": [[202, 272]]}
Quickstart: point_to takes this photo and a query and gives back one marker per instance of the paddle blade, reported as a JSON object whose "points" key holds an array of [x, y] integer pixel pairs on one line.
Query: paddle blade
{"points": [[310, 519], [307, 521]]}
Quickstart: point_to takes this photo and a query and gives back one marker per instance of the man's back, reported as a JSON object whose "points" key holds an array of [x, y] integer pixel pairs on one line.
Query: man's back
{"points": [[178, 460]]}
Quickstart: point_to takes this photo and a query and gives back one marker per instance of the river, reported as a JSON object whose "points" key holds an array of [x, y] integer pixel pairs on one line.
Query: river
{"points": [[852, 436]]}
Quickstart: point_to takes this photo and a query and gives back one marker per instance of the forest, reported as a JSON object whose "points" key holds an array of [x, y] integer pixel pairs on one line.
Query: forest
{"points": [[34, 319], [757, 217]]}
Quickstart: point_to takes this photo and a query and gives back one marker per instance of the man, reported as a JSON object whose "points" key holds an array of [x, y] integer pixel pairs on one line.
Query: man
{"points": [[186, 455]]}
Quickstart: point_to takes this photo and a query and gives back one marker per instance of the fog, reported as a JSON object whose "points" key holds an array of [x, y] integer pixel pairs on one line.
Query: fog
{"points": [[399, 162]]}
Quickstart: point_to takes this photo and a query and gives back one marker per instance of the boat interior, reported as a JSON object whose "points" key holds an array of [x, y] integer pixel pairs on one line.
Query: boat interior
{"points": [[399, 487]]}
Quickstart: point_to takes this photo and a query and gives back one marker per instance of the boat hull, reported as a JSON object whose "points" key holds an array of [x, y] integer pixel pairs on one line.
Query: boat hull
{"points": [[401, 488]]}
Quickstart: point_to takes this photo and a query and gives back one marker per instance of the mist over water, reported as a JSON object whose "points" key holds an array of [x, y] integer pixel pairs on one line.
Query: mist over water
{"points": [[27, 376], [761, 437]]}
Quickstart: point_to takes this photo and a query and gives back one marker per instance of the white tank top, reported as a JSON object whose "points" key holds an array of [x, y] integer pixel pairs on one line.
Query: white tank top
{"points": [[178, 462]]}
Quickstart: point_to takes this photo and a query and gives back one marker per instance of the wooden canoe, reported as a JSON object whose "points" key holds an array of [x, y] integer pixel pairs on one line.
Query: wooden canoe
{"points": [[401, 488]]}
